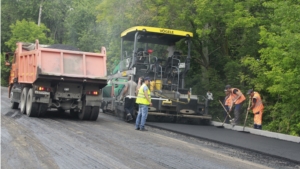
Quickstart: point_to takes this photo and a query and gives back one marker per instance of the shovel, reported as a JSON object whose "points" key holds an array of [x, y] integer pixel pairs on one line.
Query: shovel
{"points": [[246, 117], [228, 115]]}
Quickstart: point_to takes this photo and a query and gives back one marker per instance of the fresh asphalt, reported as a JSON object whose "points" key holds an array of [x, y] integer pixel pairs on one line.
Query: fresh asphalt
{"points": [[266, 145]]}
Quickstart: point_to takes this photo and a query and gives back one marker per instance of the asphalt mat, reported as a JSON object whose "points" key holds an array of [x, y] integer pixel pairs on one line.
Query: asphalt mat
{"points": [[271, 146]]}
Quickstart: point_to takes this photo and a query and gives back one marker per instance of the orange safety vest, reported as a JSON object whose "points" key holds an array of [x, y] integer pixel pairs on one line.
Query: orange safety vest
{"points": [[233, 96], [258, 105], [228, 101]]}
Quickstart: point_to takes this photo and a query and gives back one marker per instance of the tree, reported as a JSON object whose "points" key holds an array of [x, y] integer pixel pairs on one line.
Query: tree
{"points": [[116, 16], [82, 30], [23, 31], [13, 10], [27, 31], [53, 16], [4, 71], [281, 57], [279, 70]]}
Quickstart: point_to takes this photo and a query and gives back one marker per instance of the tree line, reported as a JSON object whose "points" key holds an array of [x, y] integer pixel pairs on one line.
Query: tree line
{"points": [[247, 44]]}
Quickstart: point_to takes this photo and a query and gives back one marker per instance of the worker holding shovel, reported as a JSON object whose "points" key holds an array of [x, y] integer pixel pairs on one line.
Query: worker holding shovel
{"points": [[227, 105], [237, 99], [257, 107]]}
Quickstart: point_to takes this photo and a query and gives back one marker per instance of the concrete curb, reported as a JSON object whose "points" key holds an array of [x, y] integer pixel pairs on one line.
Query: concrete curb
{"points": [[260, 132]]}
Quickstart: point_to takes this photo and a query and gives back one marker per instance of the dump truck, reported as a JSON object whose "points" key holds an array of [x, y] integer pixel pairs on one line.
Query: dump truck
{"points": [[44, 77], [171, 100]]}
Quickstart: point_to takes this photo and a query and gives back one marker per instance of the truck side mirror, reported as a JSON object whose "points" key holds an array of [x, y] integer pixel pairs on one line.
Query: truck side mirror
{"points": [[7, 63]]}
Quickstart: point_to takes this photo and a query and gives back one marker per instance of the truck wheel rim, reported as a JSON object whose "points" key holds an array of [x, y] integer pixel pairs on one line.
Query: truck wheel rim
{"points": [[23, 100]]}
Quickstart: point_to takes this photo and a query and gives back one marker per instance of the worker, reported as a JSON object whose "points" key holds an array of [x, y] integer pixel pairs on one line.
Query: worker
{"points": [[238, 99], [129, 90], [143, 100], [257, 108], [227, 104]]}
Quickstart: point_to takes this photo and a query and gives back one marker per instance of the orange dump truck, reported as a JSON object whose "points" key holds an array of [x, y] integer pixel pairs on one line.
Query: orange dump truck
{"points": [[44, 77]]}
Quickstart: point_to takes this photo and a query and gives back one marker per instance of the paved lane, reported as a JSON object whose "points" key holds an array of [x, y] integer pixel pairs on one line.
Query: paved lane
{"points": [[275, 147]]}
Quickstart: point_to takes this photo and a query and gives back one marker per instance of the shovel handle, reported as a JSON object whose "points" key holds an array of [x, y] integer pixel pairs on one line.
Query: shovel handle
{"points": [[225, 109], [247, 113]]}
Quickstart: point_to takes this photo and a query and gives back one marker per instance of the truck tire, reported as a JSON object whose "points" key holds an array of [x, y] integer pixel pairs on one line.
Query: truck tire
{"points": [[42, 109], [14, 105], [23, 100], [95, 113], [31, 107], [85, 112]]}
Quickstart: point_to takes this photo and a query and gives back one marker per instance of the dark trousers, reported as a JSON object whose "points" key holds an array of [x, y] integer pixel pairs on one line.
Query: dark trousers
{"points": [[129, 106], [237, 112]]}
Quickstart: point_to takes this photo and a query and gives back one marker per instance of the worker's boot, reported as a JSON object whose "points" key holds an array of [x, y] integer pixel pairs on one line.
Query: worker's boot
{"points": [[232, 122], [259, 127], [255, 126]]}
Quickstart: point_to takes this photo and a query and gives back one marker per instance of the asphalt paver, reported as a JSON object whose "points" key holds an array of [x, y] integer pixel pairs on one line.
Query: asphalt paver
{"points": [[266, 145]]}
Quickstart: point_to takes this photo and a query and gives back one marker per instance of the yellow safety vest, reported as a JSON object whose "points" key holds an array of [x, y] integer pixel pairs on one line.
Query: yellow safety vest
{"points": [[141, 98]]}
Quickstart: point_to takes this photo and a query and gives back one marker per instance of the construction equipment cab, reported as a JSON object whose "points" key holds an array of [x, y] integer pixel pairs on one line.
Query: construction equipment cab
{"points": [[151, 51]]}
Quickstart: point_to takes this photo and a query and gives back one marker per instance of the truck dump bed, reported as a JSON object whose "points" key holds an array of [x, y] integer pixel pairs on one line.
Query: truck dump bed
{"points": [[58, 64]]}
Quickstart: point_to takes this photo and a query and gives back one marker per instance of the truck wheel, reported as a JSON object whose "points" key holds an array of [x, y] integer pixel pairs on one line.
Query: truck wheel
{"points": [[14, 105], [23, 100], [95, 113], [42, 109], [85, 112], [31, 107]]}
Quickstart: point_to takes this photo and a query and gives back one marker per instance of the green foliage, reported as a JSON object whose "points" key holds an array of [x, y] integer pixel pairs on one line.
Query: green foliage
{"points": [[81, 27], [27, 31], [13, 10], [4, 71], [278, 70]]}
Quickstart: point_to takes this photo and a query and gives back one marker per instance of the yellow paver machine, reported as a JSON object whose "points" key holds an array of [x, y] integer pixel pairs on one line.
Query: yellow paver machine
{"points": [[151, 52]]}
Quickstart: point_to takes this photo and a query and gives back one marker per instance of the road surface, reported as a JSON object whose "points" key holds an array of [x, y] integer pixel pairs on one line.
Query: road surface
{"points": [[58, 141]]}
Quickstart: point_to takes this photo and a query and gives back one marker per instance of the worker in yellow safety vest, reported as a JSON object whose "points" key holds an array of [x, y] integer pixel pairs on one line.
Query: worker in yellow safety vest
{"points": [[257, 107], [143, 100]]}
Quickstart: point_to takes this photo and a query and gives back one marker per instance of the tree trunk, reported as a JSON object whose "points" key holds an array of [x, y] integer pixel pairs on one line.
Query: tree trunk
{"points": [[204, 69]]}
